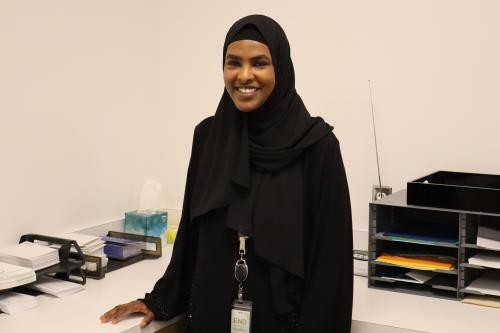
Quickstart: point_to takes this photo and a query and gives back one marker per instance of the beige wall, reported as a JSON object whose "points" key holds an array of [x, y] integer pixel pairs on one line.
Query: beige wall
{"points": [[96, 96]]}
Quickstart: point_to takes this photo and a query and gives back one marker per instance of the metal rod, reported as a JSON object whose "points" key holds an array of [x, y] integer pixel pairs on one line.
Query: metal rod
{"points": [[375, 136]]}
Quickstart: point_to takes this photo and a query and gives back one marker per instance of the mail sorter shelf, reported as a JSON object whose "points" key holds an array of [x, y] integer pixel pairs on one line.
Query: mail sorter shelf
{"points": [[447, 232]]}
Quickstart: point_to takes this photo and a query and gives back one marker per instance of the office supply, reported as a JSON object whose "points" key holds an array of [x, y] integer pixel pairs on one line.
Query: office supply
{"points": [[423, 233], [92, 248], [488, 237], [391, 212], [360, 262], [88, 244], [483, 300], [413, 276], [486, 259], [416, 262], [12, 275], [456, 190], [152, 249], [55, 287], [119, 248], [30, 255], [487, 284], [172, 233], [12, 302], [69, 266]]}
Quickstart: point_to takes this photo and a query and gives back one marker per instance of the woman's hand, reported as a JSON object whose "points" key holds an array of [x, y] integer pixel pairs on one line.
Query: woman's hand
{"points": [[121, 311]]}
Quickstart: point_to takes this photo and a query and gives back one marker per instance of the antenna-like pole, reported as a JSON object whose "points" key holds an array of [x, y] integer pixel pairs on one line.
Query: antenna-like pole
{"points": [[375, 135]]}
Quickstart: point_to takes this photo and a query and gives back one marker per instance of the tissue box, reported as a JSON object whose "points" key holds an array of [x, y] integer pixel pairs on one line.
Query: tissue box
{"points": [[147, 223]]}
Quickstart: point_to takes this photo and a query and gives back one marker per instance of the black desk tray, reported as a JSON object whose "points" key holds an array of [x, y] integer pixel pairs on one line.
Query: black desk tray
{"points": [[114, 264], [70, 263], [456, 190]]}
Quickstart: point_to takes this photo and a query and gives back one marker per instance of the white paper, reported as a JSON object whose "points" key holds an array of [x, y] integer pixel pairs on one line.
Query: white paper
{"points": [[30, 255], [486, 259], [488, 283], [12, 303], [13, 275], [488, 237], [55, 287]]}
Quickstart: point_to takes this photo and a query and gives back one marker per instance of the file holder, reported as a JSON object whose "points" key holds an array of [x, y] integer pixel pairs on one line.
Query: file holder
{"points": [[114, 264], [70, 263], [393, 210]]}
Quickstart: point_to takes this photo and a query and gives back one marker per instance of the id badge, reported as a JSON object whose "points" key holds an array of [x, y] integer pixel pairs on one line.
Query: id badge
{"points": [[241, 316]]}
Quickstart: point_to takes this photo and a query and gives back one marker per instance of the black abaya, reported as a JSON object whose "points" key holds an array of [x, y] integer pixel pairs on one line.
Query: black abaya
{"points": [[199, 280]]}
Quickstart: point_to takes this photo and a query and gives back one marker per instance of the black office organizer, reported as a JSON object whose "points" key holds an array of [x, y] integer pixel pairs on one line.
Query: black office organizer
{"points": [[394, 210], [114, 264], [456, 190], [70, 263]]}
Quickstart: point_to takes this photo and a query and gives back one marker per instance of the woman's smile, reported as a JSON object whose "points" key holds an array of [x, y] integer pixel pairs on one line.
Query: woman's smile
{"points": [[246, 92]]}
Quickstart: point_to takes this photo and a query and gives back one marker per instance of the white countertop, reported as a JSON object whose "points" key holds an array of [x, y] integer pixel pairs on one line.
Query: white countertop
{"points": [[421, 313], [80, 312]]}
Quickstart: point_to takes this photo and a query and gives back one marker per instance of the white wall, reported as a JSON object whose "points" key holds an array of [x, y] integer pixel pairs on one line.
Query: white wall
{"points": [[96, 96], [79, 86]]}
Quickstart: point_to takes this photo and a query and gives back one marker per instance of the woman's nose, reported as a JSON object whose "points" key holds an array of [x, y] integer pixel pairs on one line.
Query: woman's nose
{"points": [[245, 74]]}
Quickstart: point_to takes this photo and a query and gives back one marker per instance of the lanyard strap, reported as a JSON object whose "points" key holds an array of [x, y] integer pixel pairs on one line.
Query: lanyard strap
{"points": [[242, 239]]}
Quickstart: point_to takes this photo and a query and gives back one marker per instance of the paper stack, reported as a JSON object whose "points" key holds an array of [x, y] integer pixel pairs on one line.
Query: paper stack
{"points": [[360, 262], [12, 303], [486, 259], [423, 262], [12, 275], [119, 248], [413, 276], [488, 237], [488, 283], [55, 287], [90, 245], [31, 255]]}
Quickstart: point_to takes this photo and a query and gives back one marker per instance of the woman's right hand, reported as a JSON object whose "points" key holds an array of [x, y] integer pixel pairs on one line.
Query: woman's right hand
{"points": [[121, 311]]}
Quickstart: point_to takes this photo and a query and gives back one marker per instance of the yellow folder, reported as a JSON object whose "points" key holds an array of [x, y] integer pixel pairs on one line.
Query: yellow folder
{"points": [[424, 263]]}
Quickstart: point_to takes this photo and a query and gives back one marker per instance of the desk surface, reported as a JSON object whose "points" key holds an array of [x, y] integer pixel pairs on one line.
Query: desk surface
{"points": [[420, 313], [80, 312]]}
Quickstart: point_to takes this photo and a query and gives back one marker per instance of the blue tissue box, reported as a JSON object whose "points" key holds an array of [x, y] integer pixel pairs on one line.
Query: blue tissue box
{"points": [[148, 224]]}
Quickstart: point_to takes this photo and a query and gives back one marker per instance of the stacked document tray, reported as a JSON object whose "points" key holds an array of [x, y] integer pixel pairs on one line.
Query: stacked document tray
{"points": [[437, 252], [456, 190]]}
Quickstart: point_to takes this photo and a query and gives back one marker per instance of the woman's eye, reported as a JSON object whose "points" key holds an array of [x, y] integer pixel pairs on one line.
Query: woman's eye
{"points": [[232, 63], [260, 64]]}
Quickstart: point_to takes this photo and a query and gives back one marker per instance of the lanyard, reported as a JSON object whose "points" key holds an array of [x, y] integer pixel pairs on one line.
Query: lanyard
{"points": [[241, 267]]}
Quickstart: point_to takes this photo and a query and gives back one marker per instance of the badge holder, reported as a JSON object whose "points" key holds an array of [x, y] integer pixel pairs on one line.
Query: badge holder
{"points": [[241, 311]]}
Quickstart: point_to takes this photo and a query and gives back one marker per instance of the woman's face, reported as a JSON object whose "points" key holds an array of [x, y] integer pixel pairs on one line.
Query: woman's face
{"points": [[248, 74]]}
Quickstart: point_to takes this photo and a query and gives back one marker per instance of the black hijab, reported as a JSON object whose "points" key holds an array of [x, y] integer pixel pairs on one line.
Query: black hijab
{"points": [[251, 160]]}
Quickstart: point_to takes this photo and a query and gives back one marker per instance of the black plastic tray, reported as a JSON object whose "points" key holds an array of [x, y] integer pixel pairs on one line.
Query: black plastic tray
{"points": [[456, 190]]}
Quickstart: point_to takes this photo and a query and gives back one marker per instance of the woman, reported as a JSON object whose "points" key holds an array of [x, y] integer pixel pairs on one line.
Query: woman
{"points": [[264, 169]]}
